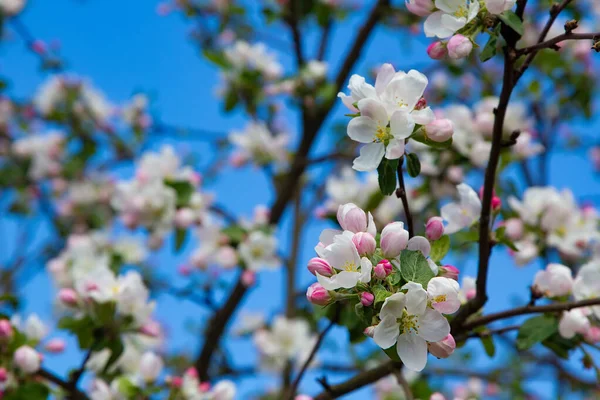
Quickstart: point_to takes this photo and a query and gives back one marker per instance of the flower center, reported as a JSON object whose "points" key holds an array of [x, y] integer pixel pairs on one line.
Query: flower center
{"points": [[349, 266], [382, 134], [440, 298], [408, 322], [462, 12], [257, 252]]}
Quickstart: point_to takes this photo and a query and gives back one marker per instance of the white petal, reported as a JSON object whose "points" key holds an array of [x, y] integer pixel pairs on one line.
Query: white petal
{"points": [[344, 279], [386, 332], [423, 116], [412, 350], [393, 306], [348, 101], [401, 124], [453, 23], [419, 243], [394, 149], [433, 327], [362, 129], [371, 227], [370, 157], [373, 109], [416, 298], [433, 26], [384, 76], [366, 267]]}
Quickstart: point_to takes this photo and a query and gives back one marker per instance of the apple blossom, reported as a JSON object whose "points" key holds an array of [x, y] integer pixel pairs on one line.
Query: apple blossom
{"points": [[573, 322], [468, 289], [463, 213], [437, 396], [366, 299], [408, 322], [365, 243], [437, 50], [258, 251], [55, 346], [459, 47], [394, 239], [27, 359], [151, 366], [587, 284], [443, 294], [422, 8], [440, 130], [556, 280], [6, 329], [451, 17], [352, 218], [321, 266], [444, 348], [514, 228], [11, 7], [419, 243], [592, 335], [257, 143], [499, 6], [318, 295], [383, 269], [434, 229], [343, 256], [449, 271]]}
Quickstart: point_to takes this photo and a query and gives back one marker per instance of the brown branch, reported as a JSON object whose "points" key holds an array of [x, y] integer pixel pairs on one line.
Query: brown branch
{"points": [[548, 308], [292, 21], [401, 194], [74, 393], [551, 44], [324, 40], [313, 353], [356, 382], [404, 384]]}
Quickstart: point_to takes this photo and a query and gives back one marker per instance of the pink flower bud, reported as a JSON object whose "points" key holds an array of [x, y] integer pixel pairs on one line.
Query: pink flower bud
{"points": [[55, 346], [39, 47], [6, 330], [151, 329], [444, 348], [436, 50], [68, 297], [176, 381], [321, 266], [191, 372], [303, 397], [204, 387], [318, 295], [185, 217], [248, 278], [514, 228], [366, 298], [439, 130], [496, 203], [3, 375], [455, 174], [238, 159], [27, 359], [369, 331], [434, 229], [393, 239], [449, 271], [459, 46], [352, 218], [184, 270], [422, 8], [383, 269], [592, 335], [437, 396], [470, 294], [365, 243]]}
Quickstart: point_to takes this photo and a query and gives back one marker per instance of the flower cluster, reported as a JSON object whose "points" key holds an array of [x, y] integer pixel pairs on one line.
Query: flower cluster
{"points": [[257, 144], [392, 283], [44, 152], [388, 113], [556, 282], [288, 339], [162, 195], [547, 218]]}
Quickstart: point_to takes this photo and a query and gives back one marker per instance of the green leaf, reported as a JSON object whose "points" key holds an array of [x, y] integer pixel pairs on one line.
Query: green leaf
{"points": [[10, 299], [414, 267], [216, 57], [500, 235], [180, 238], [491, 47], [29, 390], [413, 165], [512, 20], [235, 233], [231, 100], [387, 176], [535, 330], [184, 191], [561, 346], [392, 353], [488, 346], [82, 328], [127, 388], [439, 248], [381, 293]]}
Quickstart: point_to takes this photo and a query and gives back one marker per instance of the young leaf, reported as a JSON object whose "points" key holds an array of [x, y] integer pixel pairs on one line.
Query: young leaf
{"points": [[387, 176], [413, 165], [414, 267], [180, 237], [488, 346], [512, 20], [381, 293], [439, 248], [535, 330]]}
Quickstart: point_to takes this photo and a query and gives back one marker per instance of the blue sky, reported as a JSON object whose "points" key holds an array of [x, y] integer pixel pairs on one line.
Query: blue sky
{"points": [[124, 46]]}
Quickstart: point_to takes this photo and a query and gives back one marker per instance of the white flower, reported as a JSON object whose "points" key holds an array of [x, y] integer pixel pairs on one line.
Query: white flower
{"points": [[587, 284], [452, 16], [258, 251], [32, 327], [253, 57], [343, 256], [50, 95], [526, 147], [573, 322], [11, 7], [464, 213], [27, 359], [407, 321], [352, 218], [371, 128], [132, 297], [45, 152], [151, 366], [526, 252], [257, 143], [556, 280], [101, 391], [359, 89], [499, 6], [443, 294]]}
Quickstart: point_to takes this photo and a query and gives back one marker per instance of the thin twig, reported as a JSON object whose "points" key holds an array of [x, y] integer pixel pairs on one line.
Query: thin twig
{"points": [[405, 386], [401, 194], [549, 44]]}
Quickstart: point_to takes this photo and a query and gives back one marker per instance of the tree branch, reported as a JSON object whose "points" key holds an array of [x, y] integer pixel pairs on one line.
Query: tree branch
{"points": [[401, 194], [74, 393], [549, 44]]}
